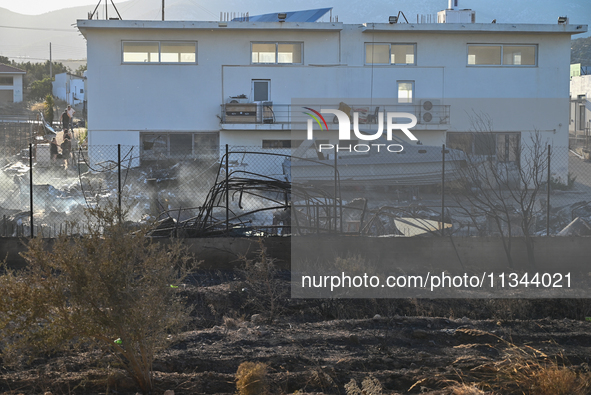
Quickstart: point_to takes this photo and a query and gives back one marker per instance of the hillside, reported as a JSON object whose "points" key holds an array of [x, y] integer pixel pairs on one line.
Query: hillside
{"points": [[581, 51]]}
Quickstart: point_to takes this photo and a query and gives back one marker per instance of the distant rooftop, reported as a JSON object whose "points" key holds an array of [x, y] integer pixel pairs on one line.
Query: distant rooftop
{"points": [[293, 16], [4, 68]]}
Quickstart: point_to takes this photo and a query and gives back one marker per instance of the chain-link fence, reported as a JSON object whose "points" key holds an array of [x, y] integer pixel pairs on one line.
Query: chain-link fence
{"points": [[523, 188], [15, 134]]}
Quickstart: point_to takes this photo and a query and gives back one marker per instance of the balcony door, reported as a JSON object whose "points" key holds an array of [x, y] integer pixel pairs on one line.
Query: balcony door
{"points": [[261, 90]]}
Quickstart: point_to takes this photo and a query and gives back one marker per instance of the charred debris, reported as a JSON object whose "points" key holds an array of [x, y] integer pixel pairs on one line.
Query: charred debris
{"points": [[222, 197]]}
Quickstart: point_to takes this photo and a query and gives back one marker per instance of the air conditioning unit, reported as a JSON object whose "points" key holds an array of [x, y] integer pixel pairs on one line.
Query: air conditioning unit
{"points": [[237, 100], [430, 112], [267, 112]]}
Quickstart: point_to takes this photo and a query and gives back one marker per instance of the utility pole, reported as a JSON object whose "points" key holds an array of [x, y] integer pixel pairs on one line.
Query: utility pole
{"points": [[50, 63], [162, 9]]}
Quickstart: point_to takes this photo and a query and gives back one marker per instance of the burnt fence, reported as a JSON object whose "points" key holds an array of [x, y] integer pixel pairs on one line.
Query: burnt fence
{"points": [[418, 191]]}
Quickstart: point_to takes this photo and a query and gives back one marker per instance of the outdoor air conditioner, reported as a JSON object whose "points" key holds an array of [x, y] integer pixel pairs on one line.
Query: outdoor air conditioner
{"points": [[430, 112], [268, 115], [237, 100]]}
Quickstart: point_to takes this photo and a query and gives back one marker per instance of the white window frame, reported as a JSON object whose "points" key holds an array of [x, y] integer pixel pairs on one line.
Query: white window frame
{"points": [[268, 81], [276, 43], [412, 100], [535, 46], [390, 55], [160, 42]]}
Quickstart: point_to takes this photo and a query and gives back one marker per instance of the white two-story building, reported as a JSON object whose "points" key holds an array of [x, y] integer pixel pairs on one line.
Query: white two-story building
{"points": [[178, 86]]}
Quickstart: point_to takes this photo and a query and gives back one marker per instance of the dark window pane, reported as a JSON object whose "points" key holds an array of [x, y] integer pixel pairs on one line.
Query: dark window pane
{"points": [[180, 144]]}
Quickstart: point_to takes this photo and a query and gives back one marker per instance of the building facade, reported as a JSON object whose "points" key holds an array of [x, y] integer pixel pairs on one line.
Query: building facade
{"points": [[70, 88], [178, 86], [11, 84]]}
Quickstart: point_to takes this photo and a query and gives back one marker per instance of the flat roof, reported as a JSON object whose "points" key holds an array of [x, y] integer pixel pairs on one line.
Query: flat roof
{"points": [[84, 24], [475, 28]]}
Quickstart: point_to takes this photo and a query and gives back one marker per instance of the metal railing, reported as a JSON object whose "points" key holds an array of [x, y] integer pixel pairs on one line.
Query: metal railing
{"points": [[271, 113]]}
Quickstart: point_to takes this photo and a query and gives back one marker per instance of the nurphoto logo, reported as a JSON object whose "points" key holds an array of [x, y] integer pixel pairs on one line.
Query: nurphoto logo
{"points": [[345, 129]]}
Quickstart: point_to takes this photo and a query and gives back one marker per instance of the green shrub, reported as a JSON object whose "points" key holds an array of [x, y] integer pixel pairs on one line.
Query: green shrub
{"points": [[48, 109], [39, 89]]}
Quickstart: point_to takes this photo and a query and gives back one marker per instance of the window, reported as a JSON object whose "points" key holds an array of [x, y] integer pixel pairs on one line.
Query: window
{"points": [[405, 91], [261, 90], [276, 53], [154, 145], [377, 53], [81, 90], [505, 146], [177, 52], [276, 143], [396, 54], [166, 145], [6, 80], [289, 143], [159, 52], [181, 144], [505, 55], [135, 52]]}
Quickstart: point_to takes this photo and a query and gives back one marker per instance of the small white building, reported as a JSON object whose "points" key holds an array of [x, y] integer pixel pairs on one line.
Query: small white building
{"points": [[69, 87], [181, 85], [580, 106], [11, 84]]}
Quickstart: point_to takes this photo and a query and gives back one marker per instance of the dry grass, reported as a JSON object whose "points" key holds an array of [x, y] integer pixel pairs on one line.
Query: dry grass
{"points": [[523, 371], [230, 323], [251, 379], [369, 386], [464, 389], [38, 106], [527, 371], [546, 378]]}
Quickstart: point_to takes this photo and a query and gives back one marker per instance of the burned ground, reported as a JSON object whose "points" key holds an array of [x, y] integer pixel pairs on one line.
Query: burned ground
{"points": [[318, 346]]}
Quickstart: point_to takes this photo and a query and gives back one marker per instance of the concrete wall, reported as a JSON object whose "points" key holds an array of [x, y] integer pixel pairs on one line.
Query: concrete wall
{"points": [[68, 89], [13, 93]]}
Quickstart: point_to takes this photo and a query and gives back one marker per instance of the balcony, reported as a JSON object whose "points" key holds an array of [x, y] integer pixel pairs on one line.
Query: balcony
{"points": [[270, 116]]}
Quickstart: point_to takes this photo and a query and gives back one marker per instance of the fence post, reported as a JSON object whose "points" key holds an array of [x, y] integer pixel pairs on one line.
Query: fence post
{"points": [[227, 191], [31, 186], [334, 203], [548, 197], [119, 179], [442, 190]]}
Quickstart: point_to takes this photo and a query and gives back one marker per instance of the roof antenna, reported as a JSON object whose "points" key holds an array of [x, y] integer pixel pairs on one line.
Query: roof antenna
{"points": [[91, 14]]}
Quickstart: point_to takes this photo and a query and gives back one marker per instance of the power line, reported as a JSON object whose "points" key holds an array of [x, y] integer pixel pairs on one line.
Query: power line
{"points": [[205, 9], [39, 28]]}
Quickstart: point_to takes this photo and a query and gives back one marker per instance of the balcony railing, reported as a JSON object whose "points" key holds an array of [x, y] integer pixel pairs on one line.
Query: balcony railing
{"points": [[260, 113]]}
